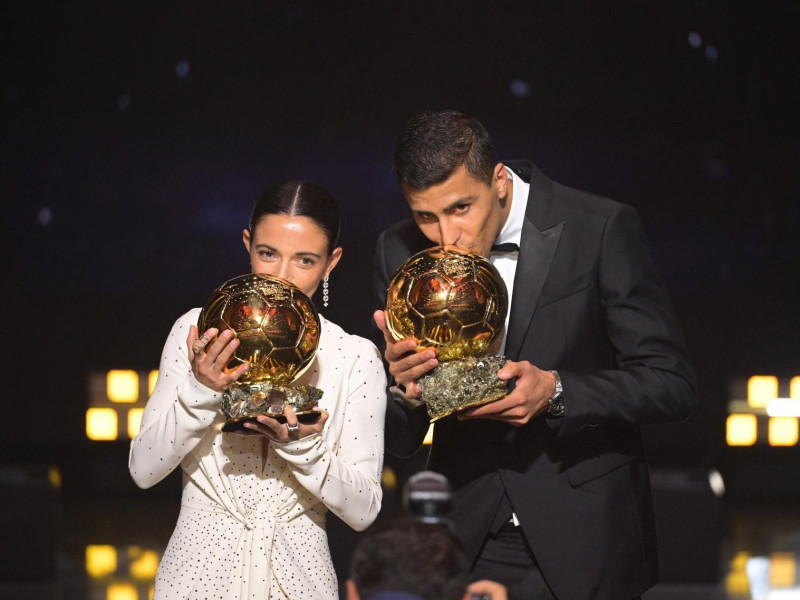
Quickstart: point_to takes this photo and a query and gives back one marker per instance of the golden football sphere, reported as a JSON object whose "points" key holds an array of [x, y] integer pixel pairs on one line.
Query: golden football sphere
{"points": [[447, 299], [276, 324]]}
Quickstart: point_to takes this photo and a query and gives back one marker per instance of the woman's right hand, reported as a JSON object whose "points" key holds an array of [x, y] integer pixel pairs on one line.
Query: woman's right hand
{"points": [[210, 354]]}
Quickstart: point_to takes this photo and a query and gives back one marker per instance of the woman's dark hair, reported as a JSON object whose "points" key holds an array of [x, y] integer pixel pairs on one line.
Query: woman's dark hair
{"points": [[433, 144], [300, 199]]}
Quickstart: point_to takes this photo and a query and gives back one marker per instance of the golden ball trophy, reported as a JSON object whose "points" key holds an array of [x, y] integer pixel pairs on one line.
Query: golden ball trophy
{"points": [[278, 331], [456, 302]]}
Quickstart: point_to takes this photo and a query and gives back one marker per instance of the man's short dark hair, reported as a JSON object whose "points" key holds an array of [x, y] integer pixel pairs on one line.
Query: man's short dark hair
{"points": [[433, 144], [410, 556]]}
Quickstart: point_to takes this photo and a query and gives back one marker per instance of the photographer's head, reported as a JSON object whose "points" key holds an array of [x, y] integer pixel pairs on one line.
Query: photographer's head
{"points": [[410, 558], [447, 167]]}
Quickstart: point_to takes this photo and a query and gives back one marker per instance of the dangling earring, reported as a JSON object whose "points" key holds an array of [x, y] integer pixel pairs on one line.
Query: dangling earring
{"points": [[325, 292]]}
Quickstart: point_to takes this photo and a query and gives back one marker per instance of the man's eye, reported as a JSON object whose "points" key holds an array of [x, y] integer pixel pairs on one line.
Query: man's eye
{"points": [[460, 208]]}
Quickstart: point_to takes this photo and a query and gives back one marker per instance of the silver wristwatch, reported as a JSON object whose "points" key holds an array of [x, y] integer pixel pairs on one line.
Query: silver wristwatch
{"points": [[555, 405]]}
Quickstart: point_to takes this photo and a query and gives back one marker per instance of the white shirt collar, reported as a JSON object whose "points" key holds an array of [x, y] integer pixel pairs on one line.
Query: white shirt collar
{"points": [[512, 230]]}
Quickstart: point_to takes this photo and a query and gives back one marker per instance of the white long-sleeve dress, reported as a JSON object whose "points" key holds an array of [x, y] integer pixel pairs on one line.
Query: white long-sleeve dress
{"points": [[252, 518]]}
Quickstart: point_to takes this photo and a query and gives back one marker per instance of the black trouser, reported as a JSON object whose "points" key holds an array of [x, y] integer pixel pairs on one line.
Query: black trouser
{"points": [[507, 559]]}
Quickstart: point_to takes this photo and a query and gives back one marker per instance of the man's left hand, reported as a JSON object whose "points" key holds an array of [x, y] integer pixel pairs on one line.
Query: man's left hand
{"points": [[528, 399]]}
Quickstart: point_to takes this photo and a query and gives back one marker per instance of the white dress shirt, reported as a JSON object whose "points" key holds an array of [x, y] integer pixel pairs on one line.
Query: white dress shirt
{"points": [[506, 262]]}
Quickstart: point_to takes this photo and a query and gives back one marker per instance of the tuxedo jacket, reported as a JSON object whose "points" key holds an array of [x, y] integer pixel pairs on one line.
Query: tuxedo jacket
{"points": [[589, 302]]}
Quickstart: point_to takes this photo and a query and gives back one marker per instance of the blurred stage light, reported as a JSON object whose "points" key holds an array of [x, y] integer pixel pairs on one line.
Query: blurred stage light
{"points": [[783, 431], [101, 560], [741, 430], [716, 483], [101, 424], [182, 69], [782, 570], [520, 88], [784, 407], [695, 40], [711, 52], [134, 421], [143, 563], [122, 385], [123, 392], [45, 216], [761, 389], [152, 378], [54, 476], [794, 388], [389, 478], [736, 582], [122, 591], [124, 102]]}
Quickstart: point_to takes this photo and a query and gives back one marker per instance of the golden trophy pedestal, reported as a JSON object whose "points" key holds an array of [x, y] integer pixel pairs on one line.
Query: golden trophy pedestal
{"points": [[278, 330], [456, 302]]}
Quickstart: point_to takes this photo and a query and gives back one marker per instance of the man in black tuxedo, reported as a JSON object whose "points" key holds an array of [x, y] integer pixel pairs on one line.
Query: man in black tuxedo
{"points": [[552, 495]]}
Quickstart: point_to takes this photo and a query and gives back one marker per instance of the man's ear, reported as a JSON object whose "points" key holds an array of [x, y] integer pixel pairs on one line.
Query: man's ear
{"points": [[500, 179], [352, 590]]}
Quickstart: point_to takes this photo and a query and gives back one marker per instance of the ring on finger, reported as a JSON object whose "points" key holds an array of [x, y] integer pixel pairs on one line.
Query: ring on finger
{"points": [[293, 428]]}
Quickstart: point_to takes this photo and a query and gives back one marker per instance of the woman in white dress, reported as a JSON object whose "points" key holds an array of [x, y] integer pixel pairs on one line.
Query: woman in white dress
{"points": [[252, 518]]}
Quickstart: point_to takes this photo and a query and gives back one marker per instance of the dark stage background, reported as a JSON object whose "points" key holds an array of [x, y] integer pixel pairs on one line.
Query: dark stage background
{"points": [[135, 138]]}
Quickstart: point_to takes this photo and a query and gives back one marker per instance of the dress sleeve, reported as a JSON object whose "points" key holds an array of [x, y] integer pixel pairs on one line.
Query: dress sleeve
{"points": [[177, 415], [345, 474]]}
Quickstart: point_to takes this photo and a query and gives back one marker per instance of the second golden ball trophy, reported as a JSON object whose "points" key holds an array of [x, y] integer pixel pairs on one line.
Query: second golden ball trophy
{"points": [[278, 330], [456, 302]]}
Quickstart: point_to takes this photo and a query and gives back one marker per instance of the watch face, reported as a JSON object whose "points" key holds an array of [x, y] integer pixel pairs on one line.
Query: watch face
{"points": [[555, 408]]}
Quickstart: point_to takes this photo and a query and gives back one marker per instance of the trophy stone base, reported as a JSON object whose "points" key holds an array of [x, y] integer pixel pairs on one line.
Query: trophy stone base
{"points": [[244, 403], [463, 383]]}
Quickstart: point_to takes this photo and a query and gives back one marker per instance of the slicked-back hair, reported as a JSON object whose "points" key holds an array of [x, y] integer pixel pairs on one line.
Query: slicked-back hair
{"points": [[300, 199], [407, 555], [433, 144]]}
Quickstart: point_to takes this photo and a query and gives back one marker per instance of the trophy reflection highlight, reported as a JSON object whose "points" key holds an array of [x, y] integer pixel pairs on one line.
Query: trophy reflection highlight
{"points": [[278, 330], [456, 302]]}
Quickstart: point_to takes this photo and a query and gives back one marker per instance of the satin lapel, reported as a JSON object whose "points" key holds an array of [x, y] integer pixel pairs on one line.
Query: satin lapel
{"points": [[536, 253]]}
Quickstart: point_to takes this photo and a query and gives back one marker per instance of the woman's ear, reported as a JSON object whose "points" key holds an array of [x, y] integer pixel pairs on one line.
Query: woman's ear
{"points": [[333, 260], [246, 239]]}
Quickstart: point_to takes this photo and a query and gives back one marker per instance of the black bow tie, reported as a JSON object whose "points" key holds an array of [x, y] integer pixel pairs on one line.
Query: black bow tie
{"points": [[506, 247]]}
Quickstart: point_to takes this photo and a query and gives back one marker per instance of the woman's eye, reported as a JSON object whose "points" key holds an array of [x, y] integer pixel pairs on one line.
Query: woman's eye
{"points": [[265, 254]]}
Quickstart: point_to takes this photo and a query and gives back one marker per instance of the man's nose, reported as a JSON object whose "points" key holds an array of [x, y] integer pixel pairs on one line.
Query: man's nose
{"points": [[448, 234]]}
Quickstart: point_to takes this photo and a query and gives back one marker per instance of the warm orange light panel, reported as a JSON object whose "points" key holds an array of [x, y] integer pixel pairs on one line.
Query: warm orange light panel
{"points": [[122, 591], [761, 389], [134, 421], [794, 388], [101, 424], [741, 430], [122, 385], [101, 560], [783, 431], [152, 377], [145, 566], [782, 570]]}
